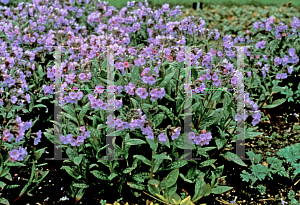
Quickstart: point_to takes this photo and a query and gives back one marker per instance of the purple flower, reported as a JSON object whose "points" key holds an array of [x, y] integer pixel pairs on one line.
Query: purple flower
{"points": [[260, 45], [292, 52], [119, 88], [36, 141], [39, 134], [278, 76], [73, 142], [14, 154], [290, 70], [87, 134], [69, 78], [79, 95], [111, 88], [99, 89], [63, 139], [277, 61], [215, 77], [111, 105], [176, 133], [200, 140], [82, 76], [220, 54], [72, 95], [191, 136], [233, 80], [80, 139], [82, 129], [118, 103], [5, 1], [162, 137], [142, 93], [13, 99], [27, 98]]}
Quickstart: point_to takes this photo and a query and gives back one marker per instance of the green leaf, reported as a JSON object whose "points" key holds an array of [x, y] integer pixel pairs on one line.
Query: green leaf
{"points": [[198, 188], [15, 164], [256, 157], [5, 171], [157, 119], [162, 156], [71, 153], [185, 179], [12, 186], [143, 159], [153, 189], [219, 171], [135, 74], [84, 111], [233, 157], [43, 98], [4, 201], [275, 103], [162, 198], [167, 79], [186, 201], [172, 178], [168, 112], [68, 108], [71, 172], [135, 142], [40, 105], [171, 190], [220, 142], [70, 117], [206, 190], [115, 133], [37, 181], [177, 164], [153, 145], [79, 194], [36, 78], [175, 199], [41, 71], [99, 174], [79, 185], [77, 160], [135, 103], [156, 165], [49, 137], [2, 185], [141, 177], [38, 153], [260, 171], [136, 186], [169, 97], [209, 162], [30, 180], [220, 189], [251, 135]]}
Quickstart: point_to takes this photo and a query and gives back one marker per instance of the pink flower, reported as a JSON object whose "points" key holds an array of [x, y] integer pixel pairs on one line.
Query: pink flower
{"points": [[126, 64]]}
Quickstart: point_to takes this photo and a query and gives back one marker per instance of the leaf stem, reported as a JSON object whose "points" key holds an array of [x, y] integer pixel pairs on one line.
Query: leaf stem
{"points": [[179, 114], [153, 153], [201, 117], [155, 198]]}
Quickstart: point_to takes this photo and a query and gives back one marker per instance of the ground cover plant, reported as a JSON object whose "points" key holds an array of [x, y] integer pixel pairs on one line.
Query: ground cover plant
{"points": [[149, 92]]}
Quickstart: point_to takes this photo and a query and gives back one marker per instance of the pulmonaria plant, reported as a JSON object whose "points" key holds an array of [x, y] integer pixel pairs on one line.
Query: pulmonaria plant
{"points": [[149, 88]]}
